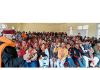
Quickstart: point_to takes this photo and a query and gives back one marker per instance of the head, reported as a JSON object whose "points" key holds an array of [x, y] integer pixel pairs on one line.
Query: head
{"points": [[79, 34], [43, 46], [30, 48], [8, 33], [98, 45], [63, 45], [77, 46], [68, 45], [87, 42]]}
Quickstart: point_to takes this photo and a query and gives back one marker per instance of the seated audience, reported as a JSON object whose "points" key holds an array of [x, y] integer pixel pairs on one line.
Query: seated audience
{"points": [[57, 49]]}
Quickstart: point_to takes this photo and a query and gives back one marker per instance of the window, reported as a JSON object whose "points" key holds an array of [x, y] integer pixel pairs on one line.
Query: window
{"points": [[79, 27], [85, 27], [70, 31], [83, 30], [2, 26], [98, 34], [98, 25]]}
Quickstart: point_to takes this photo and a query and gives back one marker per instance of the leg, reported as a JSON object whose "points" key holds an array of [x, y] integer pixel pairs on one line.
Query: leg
{"points": [[58, 63], [96, 60], [62, 64], [46, 63], [86, 61], [71, 62], [99, 60], [83, 62], [33, 64], [80, 63], [25, 64], [41, 62], [51, 63], [55, 64]]}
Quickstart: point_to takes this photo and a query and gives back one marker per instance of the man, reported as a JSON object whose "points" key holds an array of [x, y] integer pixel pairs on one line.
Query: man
{"points": [[97, 52], [8, 54], [53, 56], [86, 49], [88, 55]]}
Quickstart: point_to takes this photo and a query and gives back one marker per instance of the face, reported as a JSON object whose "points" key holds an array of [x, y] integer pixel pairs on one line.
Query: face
{"points": [[78, 34], [54, 44], [98, 46], [68, 46], [63, 45], [77, 46], [87, 43], [43, 47]]}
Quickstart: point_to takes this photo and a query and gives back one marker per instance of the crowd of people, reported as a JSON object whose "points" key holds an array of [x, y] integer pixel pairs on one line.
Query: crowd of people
{"points": [[57, 49]]}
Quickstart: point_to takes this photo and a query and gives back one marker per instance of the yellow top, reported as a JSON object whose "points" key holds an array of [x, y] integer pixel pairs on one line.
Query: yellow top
{"points": [[62, 53]]}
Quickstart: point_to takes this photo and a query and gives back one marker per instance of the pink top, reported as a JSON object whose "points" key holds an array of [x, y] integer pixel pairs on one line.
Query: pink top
{"points": [[21, 52], [23, 43]]}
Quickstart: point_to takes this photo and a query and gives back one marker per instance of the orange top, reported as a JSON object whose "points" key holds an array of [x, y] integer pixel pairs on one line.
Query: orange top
{"points": [[24, 35], [6, 43]]}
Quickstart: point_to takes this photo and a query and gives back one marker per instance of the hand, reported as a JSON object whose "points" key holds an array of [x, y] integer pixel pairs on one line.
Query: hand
{"points": [[79, 58], [28, 60], [68, 55], [88, 50], [40, 57]]}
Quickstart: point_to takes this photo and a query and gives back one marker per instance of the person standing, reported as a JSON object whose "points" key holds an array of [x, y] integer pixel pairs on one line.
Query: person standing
{"points": [[8, 53]]}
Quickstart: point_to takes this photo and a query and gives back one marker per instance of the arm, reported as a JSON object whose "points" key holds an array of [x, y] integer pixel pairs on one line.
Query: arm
{"points": [[84, 51], [47, 52], [55, 49], [34, 57], [65, 54]]}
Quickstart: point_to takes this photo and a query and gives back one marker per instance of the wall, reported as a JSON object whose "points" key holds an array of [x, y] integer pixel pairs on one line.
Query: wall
{"points": [[17, 26], [53, 27], [42, 27]]}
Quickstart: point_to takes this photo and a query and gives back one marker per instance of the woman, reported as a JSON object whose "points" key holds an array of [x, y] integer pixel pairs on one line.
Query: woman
{"points": [[69, 59], [78, 56], [62, 54], [44, 57], [31, 57]]}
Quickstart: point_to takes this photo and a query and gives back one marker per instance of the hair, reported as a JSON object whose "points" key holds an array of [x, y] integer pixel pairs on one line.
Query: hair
{"points": [[98, 41]]}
